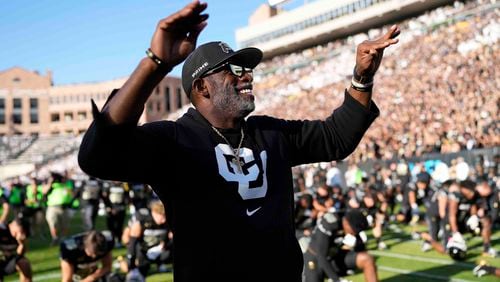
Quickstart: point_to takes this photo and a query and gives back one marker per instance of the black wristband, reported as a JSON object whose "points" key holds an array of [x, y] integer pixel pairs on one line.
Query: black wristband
{"points": [[362, 89], [161, 64]]}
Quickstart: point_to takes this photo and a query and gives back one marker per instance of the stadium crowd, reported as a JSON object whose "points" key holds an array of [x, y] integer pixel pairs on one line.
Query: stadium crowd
{"points": [[437, 91], [442, 97]]}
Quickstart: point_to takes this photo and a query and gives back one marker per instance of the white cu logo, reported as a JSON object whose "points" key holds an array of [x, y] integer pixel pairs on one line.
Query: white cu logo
{"points": [[243, 180]]}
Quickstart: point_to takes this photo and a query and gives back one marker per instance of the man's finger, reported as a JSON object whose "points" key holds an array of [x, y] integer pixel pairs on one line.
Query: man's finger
{"points": [[193, 34], [193, 8], [190, 12], [382, 45], [200, 8], [181, 23], [393, 32]]}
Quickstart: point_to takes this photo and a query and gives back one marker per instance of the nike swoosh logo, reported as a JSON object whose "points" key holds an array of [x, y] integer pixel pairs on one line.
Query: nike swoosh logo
{"points": [[250, 213]]}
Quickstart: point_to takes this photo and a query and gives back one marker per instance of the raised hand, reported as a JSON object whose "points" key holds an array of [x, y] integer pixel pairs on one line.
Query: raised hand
{"points": [[370, 52], [175, 36]]}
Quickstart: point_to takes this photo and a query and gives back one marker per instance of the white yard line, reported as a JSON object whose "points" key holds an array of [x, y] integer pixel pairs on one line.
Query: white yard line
{"points": [[421, 274], [423, 259], [47, 276]]}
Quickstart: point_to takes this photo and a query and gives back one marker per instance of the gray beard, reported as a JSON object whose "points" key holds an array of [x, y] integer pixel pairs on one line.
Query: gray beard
{"points": [[229, 101]]}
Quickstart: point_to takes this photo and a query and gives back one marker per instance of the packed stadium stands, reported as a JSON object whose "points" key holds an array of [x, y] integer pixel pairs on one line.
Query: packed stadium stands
{"points": [[434, 90]]}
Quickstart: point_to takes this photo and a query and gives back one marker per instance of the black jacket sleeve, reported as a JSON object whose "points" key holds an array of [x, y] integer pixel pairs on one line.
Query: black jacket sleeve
{"points": [[126, 152], [332, 139]]}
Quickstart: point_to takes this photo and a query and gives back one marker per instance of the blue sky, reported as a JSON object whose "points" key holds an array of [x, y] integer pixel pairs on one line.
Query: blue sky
{"points": [[96, 40]]}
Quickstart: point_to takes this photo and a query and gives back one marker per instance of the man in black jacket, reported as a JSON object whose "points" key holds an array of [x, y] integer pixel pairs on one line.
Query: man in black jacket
{"points": [[222, 177]]}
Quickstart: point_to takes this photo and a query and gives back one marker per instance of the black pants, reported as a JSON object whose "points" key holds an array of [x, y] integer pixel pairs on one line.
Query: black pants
{"points": [[434, 224], [89, 213], [144, 263], [8, 266], [115, 221]]}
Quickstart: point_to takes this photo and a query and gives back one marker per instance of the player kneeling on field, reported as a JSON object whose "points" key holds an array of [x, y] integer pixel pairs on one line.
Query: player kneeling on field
{"points": [[456, 246], [81, 253], [149, 242], [338, 245], [12, 247]]}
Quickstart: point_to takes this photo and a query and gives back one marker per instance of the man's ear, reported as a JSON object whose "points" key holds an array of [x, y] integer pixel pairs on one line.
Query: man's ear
{"points": [[200, 88]]}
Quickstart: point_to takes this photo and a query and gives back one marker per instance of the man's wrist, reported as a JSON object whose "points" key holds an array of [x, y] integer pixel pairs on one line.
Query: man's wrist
{"points": [[361, 83], [152, 67], [160, 63], [361, 79], [149, 68], [364, 98]]}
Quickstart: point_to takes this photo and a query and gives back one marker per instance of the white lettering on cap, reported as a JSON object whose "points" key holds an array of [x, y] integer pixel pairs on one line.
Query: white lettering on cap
{"points": [[199, 69]]}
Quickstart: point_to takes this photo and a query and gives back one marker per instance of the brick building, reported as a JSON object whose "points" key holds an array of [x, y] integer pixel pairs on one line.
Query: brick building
{"points": [[31, 105]]}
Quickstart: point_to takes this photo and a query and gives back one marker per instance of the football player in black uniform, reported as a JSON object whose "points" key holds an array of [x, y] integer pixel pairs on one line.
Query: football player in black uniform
{"points": [[462, 217], [371, 201], [12, 249], [487, 212], [435, 200], [462, 208], [305, 215], [229, 173], [440, 215], [409, 211], [90, 194], [139, 194], [338, 245], [81, 254], [322, 200], [150, 241], [115, 197]]}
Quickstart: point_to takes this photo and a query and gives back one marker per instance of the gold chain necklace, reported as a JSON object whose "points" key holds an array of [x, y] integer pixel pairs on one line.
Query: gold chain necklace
{"points": [[236, 152]]}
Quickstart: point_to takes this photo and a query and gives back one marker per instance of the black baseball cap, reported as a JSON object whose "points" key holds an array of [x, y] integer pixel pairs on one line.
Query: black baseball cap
{"points": [[213, 54]]}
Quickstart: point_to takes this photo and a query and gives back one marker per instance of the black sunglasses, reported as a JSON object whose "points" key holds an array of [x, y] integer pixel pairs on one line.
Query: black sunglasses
{"points": [[236, 70]]}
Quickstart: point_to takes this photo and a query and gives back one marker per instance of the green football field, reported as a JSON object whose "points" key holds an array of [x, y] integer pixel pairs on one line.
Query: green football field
{"points": [[402, 261]]}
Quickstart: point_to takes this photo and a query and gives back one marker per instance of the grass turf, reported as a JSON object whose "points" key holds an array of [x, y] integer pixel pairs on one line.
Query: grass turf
{"points": [[402, 261]]}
